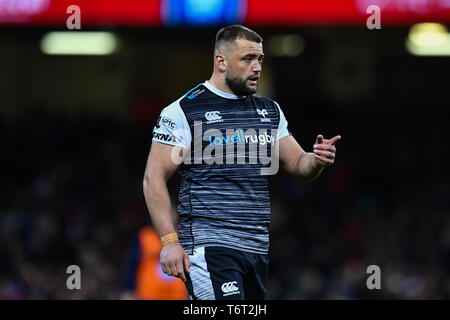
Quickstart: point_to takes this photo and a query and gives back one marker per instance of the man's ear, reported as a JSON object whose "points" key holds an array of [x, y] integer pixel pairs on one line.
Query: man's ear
{"points": [[220, 61]]}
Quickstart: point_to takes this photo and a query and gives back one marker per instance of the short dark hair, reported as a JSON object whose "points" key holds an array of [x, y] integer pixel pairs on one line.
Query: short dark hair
{"points": [[231, 33]]}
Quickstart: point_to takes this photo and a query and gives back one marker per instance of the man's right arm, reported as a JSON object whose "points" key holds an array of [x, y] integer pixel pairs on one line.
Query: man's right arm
{"points": [[159, 170]]}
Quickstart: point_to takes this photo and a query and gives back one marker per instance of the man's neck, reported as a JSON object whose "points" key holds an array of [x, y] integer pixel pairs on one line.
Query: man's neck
{"points": [[220, 84]]}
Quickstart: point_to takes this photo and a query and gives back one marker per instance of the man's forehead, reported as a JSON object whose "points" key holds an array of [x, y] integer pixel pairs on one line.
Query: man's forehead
{"points": [[242, 46]]}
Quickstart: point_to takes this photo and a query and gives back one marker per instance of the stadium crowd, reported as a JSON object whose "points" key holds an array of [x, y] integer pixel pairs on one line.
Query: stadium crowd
{"points": [[71, 194]]}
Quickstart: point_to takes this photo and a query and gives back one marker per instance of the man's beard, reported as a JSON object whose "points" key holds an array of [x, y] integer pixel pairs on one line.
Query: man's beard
{"points": [[238, 86]]}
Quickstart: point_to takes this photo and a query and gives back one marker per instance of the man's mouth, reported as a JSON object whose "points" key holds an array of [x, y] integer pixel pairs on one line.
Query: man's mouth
{"points": [[253, 80]]}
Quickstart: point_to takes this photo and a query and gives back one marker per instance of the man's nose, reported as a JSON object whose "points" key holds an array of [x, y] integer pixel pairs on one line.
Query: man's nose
{"points": [[257, 67]]}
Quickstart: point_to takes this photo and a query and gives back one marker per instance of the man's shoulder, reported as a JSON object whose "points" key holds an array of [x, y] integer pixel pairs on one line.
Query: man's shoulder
{"points": [[264, 98], [199, 99], [197, 91], [266, 101], [186, 99], [173, 108]]}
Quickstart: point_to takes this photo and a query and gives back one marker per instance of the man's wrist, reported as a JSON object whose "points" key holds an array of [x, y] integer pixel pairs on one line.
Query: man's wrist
{"points": [[315, 163], [169, 238]]}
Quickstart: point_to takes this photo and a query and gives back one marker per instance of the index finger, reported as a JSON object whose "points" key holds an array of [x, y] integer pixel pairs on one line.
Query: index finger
{"points": [[180, 272], [187, 263], [334, 140]]}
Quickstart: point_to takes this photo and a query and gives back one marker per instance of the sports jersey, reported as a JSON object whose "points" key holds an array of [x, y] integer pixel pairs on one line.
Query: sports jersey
{"points": [[224, 194]]}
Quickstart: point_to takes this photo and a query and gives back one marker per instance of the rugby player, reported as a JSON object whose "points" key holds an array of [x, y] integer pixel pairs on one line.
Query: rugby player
{"points": [[217, 240]]}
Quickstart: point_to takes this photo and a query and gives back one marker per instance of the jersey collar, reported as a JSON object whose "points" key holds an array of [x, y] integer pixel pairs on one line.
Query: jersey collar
{"points": [[220, 92]]}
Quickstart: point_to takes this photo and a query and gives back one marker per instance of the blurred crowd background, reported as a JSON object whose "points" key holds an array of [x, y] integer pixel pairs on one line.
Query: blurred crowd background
{"points": [[76, 130]]}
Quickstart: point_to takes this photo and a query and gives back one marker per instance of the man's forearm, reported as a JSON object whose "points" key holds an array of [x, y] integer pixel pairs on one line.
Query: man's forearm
{"points": [[308, 169], [159, 205]]}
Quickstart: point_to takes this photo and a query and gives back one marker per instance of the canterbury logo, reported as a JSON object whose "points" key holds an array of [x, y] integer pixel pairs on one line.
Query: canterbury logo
{"points": [[213, 115], [262, 112], [228, 287]]}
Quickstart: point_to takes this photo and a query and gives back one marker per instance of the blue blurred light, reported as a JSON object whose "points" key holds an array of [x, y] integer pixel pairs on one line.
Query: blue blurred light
{"points": [[203, 12]]}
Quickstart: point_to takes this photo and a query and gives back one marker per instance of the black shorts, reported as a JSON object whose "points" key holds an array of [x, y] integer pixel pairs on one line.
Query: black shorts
{"points": [[219, 273]]}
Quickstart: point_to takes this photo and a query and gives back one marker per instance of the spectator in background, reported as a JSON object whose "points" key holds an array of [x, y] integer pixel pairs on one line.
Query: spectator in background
{"points": [[144, 278]]}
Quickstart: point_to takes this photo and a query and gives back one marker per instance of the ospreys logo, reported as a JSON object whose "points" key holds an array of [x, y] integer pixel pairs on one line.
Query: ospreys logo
{"points": [[263, 113]]}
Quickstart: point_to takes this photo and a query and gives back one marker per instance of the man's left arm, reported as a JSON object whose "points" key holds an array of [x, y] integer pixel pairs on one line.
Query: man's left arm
{"points": [[307, 166]]}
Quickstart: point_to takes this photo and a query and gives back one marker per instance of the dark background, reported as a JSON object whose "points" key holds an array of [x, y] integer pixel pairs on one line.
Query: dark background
{"points": [[75, 134]]}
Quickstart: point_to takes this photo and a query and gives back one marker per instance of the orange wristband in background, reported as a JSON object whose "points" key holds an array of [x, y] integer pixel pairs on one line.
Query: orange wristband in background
{"points": [[168, 238]]}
